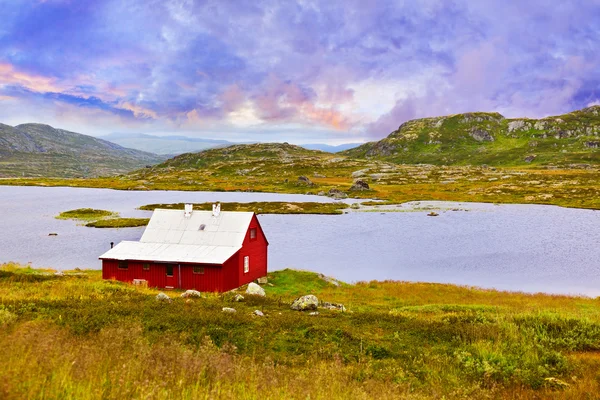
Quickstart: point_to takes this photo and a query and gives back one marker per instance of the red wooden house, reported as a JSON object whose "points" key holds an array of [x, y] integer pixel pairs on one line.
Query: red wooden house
{"points": [[207, 251]]}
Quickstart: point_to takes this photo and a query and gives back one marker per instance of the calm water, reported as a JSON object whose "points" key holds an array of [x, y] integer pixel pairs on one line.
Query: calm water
{"points": [[514, 247]]}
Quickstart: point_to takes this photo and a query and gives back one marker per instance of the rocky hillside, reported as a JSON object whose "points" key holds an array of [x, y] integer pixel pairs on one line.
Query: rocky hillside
{"points": [[280, 167], [41, 150], [489, 138]]}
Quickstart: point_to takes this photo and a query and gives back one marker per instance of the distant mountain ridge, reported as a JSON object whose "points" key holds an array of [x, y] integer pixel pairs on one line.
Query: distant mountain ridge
{"points": [[490, 138], [41, 150], [172, 145]]}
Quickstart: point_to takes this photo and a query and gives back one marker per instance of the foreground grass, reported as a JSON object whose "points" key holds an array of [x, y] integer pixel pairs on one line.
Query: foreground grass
{"points": [[262, 207], [77, 336]]}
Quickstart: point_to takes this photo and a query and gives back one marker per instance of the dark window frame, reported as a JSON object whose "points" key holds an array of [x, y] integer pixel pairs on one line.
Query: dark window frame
{"points": [[146, 266], [199, 268], [255, 232], [169, 267], [123, 265]]}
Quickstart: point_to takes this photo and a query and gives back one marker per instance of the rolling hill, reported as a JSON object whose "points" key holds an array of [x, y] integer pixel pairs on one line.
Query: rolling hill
{"points": [[489, 138], [36, 150]]}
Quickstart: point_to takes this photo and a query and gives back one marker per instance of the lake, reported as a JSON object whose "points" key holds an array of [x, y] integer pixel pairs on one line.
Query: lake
{"points": [[509, 247]]}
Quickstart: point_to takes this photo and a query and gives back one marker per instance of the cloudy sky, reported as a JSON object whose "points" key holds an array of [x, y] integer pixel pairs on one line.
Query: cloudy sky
{"points": [[302, 71]]}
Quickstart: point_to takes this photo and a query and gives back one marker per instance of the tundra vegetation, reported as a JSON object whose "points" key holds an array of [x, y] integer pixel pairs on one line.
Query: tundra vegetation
{"points": [[102, 218], [77, 336]]}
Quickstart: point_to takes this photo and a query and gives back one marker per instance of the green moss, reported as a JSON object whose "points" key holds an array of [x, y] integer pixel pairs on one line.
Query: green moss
{"points": [[118, 223]]}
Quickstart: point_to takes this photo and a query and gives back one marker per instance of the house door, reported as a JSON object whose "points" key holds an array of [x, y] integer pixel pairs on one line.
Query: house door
{"points": [[171, 276]]}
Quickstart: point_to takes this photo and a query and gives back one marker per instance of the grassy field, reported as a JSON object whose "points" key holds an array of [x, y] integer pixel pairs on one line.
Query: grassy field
{"points": [[78, 337]]}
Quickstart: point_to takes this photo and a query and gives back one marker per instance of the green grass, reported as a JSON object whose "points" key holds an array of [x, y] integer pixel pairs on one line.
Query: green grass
{"points": [[86, 214], [118, 223], [262, 207], [76, 336], [102, 218]]}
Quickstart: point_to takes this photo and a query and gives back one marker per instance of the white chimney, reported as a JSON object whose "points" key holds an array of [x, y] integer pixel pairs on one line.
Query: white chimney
{"points": [[188, 210], [216, 209]]}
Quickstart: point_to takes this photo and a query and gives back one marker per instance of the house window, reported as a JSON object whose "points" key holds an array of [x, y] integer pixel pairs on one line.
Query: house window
{"points": [[146, 267], [169, 268], [123, 264], [246, 264], [252, 233], [199, 270]]}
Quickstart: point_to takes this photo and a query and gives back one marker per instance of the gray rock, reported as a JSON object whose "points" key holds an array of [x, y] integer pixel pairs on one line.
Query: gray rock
{"points": [[317, 175], [305, 181], [360, 184], [518, 125], [304, 303], [337, 194], [481, 135], [191, 293], [255, 289], [530, 158], [229, 310], [163, 297], [238, 297], [592, 145], [333, 306], [314, 313], [59, 273], [259, 313]]}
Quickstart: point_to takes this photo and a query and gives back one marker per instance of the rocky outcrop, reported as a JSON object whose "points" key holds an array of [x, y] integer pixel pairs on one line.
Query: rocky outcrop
{"points": [[305, 303], [229, 310], [592, 145], [360, 184], [482, 135], [337, 194]]}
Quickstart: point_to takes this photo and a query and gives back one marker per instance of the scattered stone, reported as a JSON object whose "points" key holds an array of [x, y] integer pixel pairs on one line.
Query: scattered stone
{"points": [[229, 310], [592, 145], [255, 289], [317, 175], [360, 184], [337, 194], [530, 158], [433, 214], [305, 181], [59, 273], [321, 193], [313, 313], [163, 297], [304, 303], [259, 313], [262, 280], [238, 297], [518, 125], [333, 306], [191, 293]]}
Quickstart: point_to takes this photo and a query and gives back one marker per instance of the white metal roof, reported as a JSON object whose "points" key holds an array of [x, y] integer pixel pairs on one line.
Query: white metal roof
{"points": [[161, 252], [200, 238]]}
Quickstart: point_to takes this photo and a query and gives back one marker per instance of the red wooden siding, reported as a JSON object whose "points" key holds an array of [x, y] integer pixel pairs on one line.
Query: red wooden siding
{"points": [[256, 249], [219, 278]]}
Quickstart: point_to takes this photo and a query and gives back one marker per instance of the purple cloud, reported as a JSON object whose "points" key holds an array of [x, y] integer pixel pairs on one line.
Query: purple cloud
{"points": [[351, 68]]}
